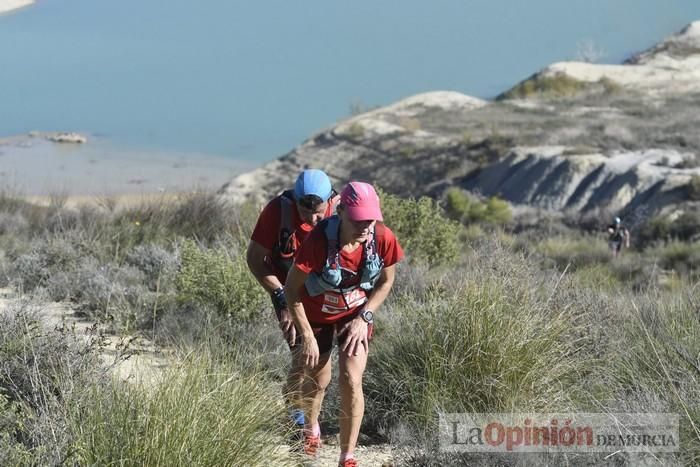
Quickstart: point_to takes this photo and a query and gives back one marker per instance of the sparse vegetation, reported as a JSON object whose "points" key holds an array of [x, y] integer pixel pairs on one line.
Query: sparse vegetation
{"points": [[356, 131], [534, 321], [557, 86]]}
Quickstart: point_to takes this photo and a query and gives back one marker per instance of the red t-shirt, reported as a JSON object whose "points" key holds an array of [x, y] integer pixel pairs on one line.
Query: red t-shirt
{"points": [[312, 256], [267, 230]]}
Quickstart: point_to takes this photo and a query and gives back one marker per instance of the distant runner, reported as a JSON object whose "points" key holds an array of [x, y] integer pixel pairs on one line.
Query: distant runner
{"points": [[341, 275], [281, 228], [618, 235]]}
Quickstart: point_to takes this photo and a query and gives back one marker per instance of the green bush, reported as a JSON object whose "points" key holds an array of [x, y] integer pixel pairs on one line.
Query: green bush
{"points": [[468, 210], [422, 228], [219, 279]]}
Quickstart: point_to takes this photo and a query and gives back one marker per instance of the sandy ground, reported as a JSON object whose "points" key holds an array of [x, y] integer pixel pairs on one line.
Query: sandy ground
{"points": [[7, 6]]}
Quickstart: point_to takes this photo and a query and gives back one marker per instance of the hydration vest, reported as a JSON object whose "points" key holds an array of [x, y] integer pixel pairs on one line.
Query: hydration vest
{"points": [[329, 280], [286, 246]]}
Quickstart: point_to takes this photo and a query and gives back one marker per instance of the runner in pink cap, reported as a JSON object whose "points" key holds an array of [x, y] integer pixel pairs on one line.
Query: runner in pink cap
{"points": [[342, 274], [361, 202]]}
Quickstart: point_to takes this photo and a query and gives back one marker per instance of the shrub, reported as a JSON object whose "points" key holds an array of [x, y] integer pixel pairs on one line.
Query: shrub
{"points": [[203, 412], [356, 131], [558, 85], [46, 256], [117, 295], [203, 216], [158, 264], [422, 228], [468, 210], [13, 223], [43, 373], [220, 279]]}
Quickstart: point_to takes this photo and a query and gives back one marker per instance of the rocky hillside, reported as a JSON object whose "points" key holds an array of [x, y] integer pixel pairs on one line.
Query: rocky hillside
{"points": [[574, 136]]}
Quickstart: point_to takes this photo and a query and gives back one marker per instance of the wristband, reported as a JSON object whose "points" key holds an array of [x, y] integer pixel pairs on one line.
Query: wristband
{"points": [[279, 301]]}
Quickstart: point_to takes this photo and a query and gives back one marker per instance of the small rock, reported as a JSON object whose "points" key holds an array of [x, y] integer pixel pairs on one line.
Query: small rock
{"points": [[67, 138]]}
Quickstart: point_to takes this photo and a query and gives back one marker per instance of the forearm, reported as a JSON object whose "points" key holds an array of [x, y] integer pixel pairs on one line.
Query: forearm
{"points": [[261, 270], [269, 281], [292, 289], [379, 294], [301, 322]]}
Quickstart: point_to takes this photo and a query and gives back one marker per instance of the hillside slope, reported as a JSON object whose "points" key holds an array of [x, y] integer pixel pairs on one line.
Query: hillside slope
{"points": [[574, 136]]}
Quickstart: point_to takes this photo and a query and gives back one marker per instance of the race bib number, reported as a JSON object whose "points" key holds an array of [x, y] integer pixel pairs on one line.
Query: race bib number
{"points": [[333, 302]]}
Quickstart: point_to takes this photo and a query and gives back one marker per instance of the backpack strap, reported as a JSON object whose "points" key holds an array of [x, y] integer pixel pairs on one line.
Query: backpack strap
{"points": [[284, 250], [286, 206], [332, 231]]}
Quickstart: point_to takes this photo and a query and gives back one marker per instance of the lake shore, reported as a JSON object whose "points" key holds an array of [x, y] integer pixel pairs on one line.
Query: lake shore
{"points": [[32, 166], [7, 6]]}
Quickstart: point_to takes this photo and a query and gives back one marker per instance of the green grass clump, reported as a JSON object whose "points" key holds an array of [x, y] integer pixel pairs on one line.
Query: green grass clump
{"points": [[205, 411], [220, 279], [576, 250], [490, 340], [658, 369], [680, 256], [422, 227], [598, 277]]}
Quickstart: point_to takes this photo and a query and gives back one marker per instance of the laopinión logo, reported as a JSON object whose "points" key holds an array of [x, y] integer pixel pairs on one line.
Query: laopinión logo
{"points": [[557, 432]]}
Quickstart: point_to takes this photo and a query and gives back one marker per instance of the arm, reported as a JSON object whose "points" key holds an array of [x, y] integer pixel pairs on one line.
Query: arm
{"points": [[255, 257], [627, 238], [293, 288]]}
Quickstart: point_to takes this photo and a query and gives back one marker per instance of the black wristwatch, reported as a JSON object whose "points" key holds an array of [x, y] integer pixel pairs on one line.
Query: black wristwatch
{"points": [[367, 316]]}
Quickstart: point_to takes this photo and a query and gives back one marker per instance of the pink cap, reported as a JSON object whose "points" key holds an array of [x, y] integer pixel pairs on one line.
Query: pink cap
{"points": [[361, 202]]}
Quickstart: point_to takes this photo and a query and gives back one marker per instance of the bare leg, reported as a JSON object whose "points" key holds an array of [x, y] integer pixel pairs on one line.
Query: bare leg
{"points": [[352, 400], [314, 389], [295, 377]]}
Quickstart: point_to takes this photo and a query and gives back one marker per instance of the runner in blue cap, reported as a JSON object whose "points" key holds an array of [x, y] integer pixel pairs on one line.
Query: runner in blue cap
{"points": [[281, 228]]}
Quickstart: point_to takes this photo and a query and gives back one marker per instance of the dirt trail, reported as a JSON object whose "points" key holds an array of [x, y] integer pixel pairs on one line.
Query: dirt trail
{"points": [[131, 358]]}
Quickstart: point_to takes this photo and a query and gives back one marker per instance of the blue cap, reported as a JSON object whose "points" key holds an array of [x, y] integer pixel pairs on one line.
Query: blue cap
{"points": [[313, 182]]}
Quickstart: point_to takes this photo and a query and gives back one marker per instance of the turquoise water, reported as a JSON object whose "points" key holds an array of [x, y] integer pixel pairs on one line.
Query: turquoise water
{"points": [[250, 80]]}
